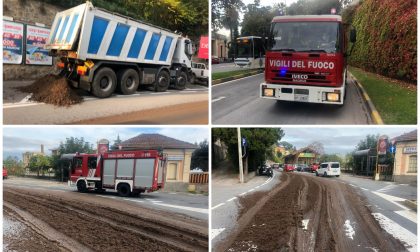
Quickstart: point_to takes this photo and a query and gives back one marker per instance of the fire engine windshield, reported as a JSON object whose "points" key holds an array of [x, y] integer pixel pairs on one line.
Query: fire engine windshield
{"points": [[305, 37]]}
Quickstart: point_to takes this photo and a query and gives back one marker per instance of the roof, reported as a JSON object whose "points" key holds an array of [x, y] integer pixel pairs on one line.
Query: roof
{"points": [[156, 141], [310, 18], [410, 136]]}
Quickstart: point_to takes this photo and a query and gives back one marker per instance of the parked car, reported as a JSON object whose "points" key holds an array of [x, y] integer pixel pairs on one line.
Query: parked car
{"points": [[314, 167], [4, 173], [215, 60], [289, 167], [275, 166], [329, 169], [199, 72], [302, 168]]}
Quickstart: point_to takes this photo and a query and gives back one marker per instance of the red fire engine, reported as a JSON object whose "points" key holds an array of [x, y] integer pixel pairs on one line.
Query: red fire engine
{"points": [[306, 59], [128, 172]]}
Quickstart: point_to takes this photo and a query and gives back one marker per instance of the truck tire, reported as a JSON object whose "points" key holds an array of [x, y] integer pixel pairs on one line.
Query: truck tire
{"points": [[325, 174], [104, 82], [81, 186], [163, 79], [123, 190], [128, 81], [181, 81], [193, 78]]}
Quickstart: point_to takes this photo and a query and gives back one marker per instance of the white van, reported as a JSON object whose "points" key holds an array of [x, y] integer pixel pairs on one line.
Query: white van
{"points": [[329, 169]]}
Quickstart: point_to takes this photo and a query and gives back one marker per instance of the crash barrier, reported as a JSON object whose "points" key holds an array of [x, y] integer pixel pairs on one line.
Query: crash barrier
{"points": [[199, 178]]}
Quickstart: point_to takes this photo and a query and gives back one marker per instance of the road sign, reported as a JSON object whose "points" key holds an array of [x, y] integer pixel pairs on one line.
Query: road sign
{"points": [[243, 141], [392, 149]]}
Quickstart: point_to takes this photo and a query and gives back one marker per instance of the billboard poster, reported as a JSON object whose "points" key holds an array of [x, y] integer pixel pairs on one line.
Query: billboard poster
{"points": [[12, 42], [36, 38], [382, 145], [203, 51]]}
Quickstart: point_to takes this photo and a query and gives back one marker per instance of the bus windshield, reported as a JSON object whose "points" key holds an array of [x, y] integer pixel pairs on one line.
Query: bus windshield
{"points": [[244, 48], [305, 37]]}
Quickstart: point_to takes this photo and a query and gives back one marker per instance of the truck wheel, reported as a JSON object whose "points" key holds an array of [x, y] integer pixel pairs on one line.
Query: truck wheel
{"points": [[104, 82], [325, 174], [81, 186], [123, 190], [193, 78], [128, 81], [181, 81], [162, 81]]}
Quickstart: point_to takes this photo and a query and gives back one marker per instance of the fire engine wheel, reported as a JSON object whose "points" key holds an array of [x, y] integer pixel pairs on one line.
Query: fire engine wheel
{"points": [[81, 186], [181, 81], [128, 81], [123, 190], [104, 82], [162, 81]]}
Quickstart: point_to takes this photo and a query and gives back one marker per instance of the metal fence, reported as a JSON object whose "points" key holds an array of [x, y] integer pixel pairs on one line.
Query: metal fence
{"points": [[199, 178]]}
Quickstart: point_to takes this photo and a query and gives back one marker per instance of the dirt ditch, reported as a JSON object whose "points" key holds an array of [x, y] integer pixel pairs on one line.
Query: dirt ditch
{"points": [[52, 89], [106, 229], [310, 214]]}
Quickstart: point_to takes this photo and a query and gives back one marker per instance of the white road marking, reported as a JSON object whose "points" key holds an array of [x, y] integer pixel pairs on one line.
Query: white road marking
{"points": [[363, 188], [26, 99], [387, 188], [105, 196], [17, 105], [216, 206], [231, 199], [392, 199], [156, 201], [397, 231], [228, 82], [250, 190], [193, 209], [157, 93], [218, 99], [349, 229], [257, 187], [408, 214], [133, 200], [189, 91], [242, 194], [215, 232]]}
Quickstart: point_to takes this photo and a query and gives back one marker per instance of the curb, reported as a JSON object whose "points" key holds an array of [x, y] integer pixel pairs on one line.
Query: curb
{"points": [[411, 204], [235, 77], [377, 119]]}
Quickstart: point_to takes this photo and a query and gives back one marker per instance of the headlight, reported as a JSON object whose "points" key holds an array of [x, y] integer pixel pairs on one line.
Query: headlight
{"points": [[269, 92], [335, 97]]}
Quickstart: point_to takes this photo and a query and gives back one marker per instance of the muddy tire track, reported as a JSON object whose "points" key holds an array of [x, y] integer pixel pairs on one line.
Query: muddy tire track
{"points": [[106, 229], [326, 205]]}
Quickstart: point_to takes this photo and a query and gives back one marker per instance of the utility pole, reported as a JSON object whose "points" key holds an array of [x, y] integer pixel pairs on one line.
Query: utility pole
{"points": [[241, 168]]}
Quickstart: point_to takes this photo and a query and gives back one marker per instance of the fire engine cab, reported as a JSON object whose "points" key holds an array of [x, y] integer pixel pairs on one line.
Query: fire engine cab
{"points": [[128, 172], [306, 59]]}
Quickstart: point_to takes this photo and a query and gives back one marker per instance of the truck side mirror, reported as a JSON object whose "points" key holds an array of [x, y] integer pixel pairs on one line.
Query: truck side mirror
{"points": [[353, 35]]}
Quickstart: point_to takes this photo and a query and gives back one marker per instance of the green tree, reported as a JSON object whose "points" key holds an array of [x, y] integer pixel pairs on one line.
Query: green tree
{"points": [[200, 156], [331, 158], [260, 142], [14, 166], [369, 142], [257, 20], [287, 145], [316, 7], [39, 163], [225, 13]]}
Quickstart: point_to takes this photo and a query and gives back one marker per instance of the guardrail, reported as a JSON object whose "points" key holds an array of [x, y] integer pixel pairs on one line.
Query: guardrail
{"points": [[199, 178]]}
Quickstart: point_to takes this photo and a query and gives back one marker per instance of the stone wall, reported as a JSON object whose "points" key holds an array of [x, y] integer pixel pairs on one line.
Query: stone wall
{"points": [[28, 11]]}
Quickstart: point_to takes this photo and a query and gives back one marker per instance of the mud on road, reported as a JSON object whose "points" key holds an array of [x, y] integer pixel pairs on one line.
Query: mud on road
{"points": [[78, 225], [308, 213]]}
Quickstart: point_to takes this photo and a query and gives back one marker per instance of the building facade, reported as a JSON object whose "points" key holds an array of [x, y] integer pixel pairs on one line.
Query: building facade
{"points": [[405, 165], [219, 47]]}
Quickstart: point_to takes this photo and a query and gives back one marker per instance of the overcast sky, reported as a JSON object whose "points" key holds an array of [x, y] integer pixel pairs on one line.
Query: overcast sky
{"points": [[19, 140], [338, 140]]}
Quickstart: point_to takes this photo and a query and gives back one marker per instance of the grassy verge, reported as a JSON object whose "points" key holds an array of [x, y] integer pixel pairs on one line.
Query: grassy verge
{"points": [[396, 103], [221, 75]]}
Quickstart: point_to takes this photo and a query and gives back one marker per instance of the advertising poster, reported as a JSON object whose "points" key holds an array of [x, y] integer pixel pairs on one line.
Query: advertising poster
{"points": [[12, 42], [36, 38], [203, 51]]}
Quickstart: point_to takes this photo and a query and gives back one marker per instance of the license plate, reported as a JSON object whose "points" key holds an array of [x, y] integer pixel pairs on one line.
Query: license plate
{"points": [[301, 97]]}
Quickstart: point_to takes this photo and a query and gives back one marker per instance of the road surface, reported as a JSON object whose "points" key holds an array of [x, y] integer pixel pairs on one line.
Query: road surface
{"points": [[308, 213], [145, 107], [63, 220], [238, 102], [224, 67]]}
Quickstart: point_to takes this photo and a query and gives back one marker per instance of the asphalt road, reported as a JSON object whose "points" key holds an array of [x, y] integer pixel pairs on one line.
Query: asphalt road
{"points": [[193, 205], [384, 200], [224, 67], [17, 109], [238, 102]]}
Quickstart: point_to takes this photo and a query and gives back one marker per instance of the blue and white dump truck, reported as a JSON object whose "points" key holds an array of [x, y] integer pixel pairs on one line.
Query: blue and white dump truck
{"points": [[101, 52]]}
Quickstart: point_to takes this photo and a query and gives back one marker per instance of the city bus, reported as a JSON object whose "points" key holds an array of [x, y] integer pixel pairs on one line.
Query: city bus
{"points": [[250, 52]]}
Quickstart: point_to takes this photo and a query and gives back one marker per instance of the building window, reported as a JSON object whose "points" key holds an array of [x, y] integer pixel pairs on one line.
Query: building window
{"points": [[412, 164], [172, 171]]}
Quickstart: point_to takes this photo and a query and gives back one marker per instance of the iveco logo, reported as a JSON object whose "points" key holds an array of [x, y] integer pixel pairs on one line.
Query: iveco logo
{"points": [[300, 76]]}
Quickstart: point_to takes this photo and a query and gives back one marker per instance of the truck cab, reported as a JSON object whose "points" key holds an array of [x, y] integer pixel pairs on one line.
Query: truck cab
{"points": [[306, 60]]}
